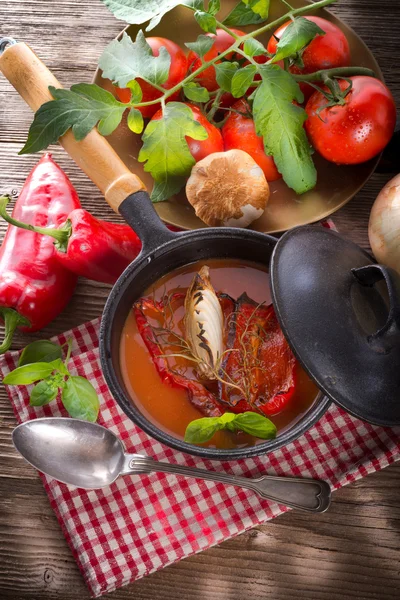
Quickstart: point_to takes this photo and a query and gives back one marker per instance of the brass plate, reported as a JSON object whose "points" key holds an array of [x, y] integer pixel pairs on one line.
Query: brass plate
{"points": [[336, 184]]}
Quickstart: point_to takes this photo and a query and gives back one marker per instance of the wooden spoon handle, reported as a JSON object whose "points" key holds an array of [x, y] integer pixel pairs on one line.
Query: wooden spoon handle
{"points": [[94, 155]]}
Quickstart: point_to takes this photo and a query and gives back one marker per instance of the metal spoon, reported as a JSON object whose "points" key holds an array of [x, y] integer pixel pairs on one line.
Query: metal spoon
{"points": [[90, 456]]}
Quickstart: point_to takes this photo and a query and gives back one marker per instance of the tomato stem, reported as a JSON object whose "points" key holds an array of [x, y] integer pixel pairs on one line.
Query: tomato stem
{"points": [[234, 48], [336, 72]]}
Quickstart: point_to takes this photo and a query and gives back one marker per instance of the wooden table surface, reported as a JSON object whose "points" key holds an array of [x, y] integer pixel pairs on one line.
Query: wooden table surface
{"points": [[352, 551]]}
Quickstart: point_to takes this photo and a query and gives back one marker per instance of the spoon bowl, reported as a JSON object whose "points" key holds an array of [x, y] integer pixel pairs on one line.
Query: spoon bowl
{"points": [[75, 452]]}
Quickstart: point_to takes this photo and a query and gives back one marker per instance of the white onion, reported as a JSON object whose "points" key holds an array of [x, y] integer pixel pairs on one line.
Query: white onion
{"points": [[384, 225]]}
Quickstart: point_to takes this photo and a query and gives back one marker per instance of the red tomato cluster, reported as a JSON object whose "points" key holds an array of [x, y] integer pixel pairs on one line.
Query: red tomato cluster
{"points": [[349, 133]]}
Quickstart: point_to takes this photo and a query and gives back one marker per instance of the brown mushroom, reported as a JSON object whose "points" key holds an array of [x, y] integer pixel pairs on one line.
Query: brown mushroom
{"points": [[228, 189]]}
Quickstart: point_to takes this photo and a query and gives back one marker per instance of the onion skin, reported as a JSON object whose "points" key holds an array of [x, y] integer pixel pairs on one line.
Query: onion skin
{"points": [[384, 225]]}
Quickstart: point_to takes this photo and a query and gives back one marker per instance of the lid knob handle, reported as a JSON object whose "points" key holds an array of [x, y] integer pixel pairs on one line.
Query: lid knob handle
{"points": [[389, 335]]}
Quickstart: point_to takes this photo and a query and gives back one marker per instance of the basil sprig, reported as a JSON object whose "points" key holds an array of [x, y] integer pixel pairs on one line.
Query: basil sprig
{"points": [[202, 430], [42, 362]]}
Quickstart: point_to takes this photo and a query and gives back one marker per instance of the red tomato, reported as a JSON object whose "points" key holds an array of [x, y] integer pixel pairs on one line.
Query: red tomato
{"points": [[177, 72], [239, 132], [358, 130], [201, 148], [222, 42], [324, 52]]}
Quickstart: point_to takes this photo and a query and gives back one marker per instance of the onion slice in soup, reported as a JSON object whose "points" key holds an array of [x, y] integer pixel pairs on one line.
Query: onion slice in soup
{"points": [[204, 324]]}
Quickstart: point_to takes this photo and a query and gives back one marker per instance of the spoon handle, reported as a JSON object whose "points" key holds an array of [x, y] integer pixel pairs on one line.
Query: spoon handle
{"points": [[311, 495]]}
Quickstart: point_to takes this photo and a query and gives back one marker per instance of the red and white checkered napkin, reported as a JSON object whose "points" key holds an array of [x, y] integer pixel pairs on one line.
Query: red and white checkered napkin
{"points": [[142, 523]]}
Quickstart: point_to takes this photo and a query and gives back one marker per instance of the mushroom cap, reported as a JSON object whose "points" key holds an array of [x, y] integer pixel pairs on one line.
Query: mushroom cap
{"points": [[228, 189]]}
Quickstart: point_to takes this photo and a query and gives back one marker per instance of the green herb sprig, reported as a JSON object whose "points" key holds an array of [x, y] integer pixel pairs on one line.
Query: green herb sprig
{"points": [[167, 158], [202, 430], [41, 363]]}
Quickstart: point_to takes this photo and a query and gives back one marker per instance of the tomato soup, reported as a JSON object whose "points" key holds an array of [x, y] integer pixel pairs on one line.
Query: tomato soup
{"points": [[168, 407]]}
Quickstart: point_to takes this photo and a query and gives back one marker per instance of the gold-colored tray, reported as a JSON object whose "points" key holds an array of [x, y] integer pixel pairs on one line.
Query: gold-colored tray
{"points": [[336, 185]]}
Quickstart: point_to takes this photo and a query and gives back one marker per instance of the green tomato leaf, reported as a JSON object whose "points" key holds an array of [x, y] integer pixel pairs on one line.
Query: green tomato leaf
{"points": [[253, 47], [44, 392], [136, 91], [242, 15], [80, 399], [137, 12], [124, 60], [195, 92], [135, 120], [29, 373], [81, 108], [256, 425], [206, 21], [259, 7], [202, 45], [242, 80], [224, 73], [40, 351], [296, 36], [202, 430], [165, 150], [213, 6], [280, 123]]}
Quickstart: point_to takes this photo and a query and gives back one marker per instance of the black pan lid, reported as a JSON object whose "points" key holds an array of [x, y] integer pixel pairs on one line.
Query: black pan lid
{"points": [[340, 313]]}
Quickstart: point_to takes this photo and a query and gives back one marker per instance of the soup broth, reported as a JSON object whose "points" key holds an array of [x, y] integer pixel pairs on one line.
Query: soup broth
{"points": [[169, 407]]}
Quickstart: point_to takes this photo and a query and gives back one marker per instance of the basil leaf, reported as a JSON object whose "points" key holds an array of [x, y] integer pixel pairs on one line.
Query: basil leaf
{"points": [[224, 73], [280, 123], [29, 373], [165, 150], [256, 425], [242, 80], [40, 351], [81, 108], [206, 21], [59, 366], [44, 392], [213, 6], [123, 60], [135, 120], [296, 36], [202, 430], [195, 92], [242, 15], [253, 47], [202, 45], [137, 12], [80, 398]]}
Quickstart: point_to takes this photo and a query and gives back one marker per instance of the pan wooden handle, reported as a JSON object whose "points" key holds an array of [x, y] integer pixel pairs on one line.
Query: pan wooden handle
{"points": [[94, 155]]}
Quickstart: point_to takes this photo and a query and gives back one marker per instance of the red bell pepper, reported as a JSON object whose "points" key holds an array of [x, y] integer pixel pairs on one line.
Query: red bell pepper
{"points": [[95, 249], [34, 285], [260, 361]]}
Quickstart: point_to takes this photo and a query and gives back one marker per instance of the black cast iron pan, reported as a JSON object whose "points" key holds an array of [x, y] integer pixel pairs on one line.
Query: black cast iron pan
{"points": [[162, 250]]}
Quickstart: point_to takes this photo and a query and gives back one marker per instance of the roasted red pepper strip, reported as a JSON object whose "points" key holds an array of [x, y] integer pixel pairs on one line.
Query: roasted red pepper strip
{"points": [[199, 396], [34, 286], [260, 361]]}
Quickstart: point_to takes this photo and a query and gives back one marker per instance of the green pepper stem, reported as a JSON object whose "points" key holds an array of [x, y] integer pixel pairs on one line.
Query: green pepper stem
{"points": [[61, 235], [12, 319]]}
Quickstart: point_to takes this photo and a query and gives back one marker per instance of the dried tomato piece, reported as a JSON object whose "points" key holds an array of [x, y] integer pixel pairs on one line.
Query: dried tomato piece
{"points": [[259, 363]]}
